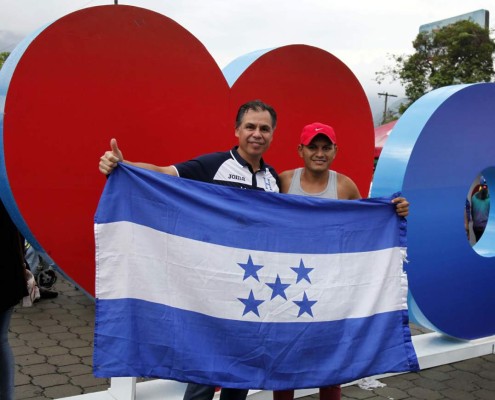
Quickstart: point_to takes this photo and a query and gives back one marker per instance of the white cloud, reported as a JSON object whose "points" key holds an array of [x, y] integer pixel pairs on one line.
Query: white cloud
{"points": [[359, 32]]}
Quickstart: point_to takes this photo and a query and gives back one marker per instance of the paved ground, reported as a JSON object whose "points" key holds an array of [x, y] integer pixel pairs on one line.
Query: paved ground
{"points": [[53, 345]]}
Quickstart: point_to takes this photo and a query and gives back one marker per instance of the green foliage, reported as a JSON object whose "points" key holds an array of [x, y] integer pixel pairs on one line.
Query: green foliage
{"points": [[458, 53], [3, 57], [389, 117]]}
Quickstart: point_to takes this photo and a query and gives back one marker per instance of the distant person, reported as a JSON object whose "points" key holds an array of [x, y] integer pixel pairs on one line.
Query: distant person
{"points": [[41, 265], [480, 209], [318, 148], [14, 288], [467, 218]]}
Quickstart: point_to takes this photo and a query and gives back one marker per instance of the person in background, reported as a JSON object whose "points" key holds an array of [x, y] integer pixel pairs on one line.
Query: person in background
{"points": [[467, 218], [480, 209], [13, 272], [318, 148], [42, 267]]}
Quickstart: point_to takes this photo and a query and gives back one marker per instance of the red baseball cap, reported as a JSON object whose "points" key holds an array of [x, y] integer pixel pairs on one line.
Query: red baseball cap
{"points": [[316, 128]]}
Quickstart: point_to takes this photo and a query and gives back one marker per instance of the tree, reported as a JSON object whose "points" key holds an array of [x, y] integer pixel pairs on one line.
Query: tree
{"points": [[458, 53], [3, 57]]}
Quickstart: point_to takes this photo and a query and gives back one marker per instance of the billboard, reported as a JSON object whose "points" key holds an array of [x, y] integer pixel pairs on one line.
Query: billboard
{"points": [[481, 17]]}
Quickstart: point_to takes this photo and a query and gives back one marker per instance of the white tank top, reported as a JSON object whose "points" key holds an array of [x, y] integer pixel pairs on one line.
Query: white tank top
{"points": [[330, 191]]}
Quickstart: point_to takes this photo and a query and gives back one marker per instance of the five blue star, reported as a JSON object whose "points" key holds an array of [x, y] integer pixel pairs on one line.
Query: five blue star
{"points": [[251, 304], [250, 269], [302, 272], [305, 305], [278, 288]]}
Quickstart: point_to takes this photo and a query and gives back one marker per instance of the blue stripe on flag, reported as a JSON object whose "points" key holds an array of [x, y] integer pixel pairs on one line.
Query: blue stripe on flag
{"points": [[256, 220], [190, 347]]}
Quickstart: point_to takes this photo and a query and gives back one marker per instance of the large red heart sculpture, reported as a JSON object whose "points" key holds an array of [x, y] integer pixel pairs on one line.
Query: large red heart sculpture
{"points": [[130, 73]]}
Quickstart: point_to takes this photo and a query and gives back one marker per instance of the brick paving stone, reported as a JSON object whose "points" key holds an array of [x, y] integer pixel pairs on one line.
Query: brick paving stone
{"points": [[398, 382], [83, 313], [45, 323], [45, 342], [411, 376], [52, 329], [22, 350], [88, 360], [93, 389], [473, 365], [434, 374], [56, 392], [70, 321], [27, 391], [48, 304], [431, 384], [28, 310], [21, 378], [82, 330], [49, 380], [391, 393], [37, 398], [65, 359], [452, 394], [86, 351], [75, 343], [489, 358], [30, 359], [88, 336], [53, 350], [33, 336], [58, 314], [23, 329], [445, 368], [484, 394], [39, 369], [75, 369], [78, 306], [15, 342], [64, 335], [61, 315], [87, 380], [462, 384], [488, 373], [486, 384], [355, 392], [424, 393]]}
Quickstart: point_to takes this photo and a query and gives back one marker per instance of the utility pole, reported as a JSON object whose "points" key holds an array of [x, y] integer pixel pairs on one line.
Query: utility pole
{"points": [[387, 95]]}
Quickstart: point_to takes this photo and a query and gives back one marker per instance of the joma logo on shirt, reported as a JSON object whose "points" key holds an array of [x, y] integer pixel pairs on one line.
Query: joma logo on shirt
{"points": [[237, 177]]}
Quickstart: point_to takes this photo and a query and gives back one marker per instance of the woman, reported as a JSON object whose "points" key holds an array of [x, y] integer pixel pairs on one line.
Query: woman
{"points": [[12, 270]]}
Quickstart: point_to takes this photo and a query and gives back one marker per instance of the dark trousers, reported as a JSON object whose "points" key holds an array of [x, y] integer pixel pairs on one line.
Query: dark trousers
{"points": [[478, 232], [195, 391]]}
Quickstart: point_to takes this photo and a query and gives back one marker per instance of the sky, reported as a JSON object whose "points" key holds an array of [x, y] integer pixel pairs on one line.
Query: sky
{"points": [[361, 33]]}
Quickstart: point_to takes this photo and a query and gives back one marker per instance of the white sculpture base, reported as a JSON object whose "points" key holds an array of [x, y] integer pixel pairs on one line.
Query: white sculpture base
{"points": [[432, 349]]}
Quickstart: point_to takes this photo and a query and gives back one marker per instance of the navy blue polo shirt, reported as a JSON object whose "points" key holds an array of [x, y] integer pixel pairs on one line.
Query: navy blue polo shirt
{"points": [[228, 168]]}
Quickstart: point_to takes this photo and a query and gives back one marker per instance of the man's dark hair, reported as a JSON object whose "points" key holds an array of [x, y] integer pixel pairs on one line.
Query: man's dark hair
{"points": [[255, 105]]}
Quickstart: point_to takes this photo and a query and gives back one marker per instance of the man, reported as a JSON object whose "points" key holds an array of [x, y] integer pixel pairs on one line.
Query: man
{"points": [[318, 148], [243, 166]]}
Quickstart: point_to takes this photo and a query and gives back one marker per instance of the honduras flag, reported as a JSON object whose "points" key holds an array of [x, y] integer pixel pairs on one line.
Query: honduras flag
{"points": [[244, 288]]}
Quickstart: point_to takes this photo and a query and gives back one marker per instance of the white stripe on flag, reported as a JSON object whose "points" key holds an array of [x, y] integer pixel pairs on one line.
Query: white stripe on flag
{"points": [[139, 262]]}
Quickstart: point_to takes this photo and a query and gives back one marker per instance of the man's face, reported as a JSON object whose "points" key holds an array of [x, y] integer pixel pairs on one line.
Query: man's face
{"points": [[319, 154], [255, 134]]}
